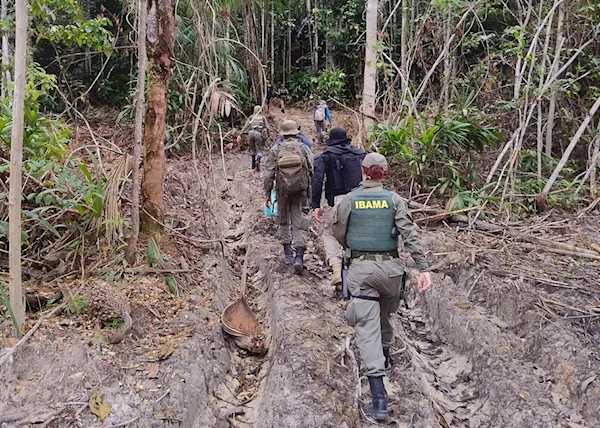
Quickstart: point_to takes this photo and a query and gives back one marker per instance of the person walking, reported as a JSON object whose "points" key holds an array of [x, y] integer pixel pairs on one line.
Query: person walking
{"points": [[283, 96], [300, 137], [289, 167], [269, 94], [339, 166], [257, 136], [368, 223], [320, 114]]}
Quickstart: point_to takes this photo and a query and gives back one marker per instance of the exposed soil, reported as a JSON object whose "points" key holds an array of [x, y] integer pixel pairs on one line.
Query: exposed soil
{"points": [[506, 337]]}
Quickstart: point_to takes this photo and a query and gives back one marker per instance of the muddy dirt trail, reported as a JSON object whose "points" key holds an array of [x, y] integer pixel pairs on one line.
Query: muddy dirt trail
{"points": [[488, 346]]}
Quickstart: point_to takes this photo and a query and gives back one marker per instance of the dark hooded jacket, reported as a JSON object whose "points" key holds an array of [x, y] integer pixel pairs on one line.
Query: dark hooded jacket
{"points": [[338, 166]]}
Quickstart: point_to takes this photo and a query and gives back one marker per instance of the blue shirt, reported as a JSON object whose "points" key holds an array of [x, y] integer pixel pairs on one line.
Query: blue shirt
{"points": [[299, 137], [327, 114]]}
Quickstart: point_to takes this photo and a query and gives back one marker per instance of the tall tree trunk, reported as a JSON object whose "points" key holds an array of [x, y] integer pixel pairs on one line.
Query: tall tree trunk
{"points": [[16, 160], [5, 78], [263, 32], [519, 69], [289, 38], [404, 48], [273, 43], [310, 34], [161, 39], [316, 46], [553, 69], [139, 132], [370, 75], [447, 61], [540, 133], [595, 164]]}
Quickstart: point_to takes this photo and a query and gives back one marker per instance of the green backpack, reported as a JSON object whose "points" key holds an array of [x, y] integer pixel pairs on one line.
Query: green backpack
{"points": [[257, 123], [292, 169]]}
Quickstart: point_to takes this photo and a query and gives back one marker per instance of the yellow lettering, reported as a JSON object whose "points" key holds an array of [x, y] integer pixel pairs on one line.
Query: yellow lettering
{"points": [[369, 205]]}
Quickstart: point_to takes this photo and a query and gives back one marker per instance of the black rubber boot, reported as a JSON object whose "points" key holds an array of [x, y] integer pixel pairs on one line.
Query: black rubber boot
{"points": [[288, 254], [299, 260], [388, 359], [258, 158], [378, 408], [253, 161]]}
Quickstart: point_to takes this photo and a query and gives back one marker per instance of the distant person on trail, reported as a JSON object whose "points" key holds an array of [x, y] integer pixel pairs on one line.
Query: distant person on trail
{"points": [[368, 223], [320, 114], [283, 96], [290, 167], [269, 94], [300, 137], [339, 166], [257, 136]]}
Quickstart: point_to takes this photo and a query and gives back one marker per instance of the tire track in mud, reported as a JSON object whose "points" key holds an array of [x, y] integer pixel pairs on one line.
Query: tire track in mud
{"points": [[302, 382]]}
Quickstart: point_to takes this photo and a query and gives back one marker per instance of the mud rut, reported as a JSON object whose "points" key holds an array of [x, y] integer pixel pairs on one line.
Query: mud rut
{"points": [[467, 354]]}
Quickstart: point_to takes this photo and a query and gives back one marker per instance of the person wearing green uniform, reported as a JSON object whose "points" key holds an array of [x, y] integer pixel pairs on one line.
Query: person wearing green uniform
{"points": [[257, 136], [289, 169], [368, 222]]}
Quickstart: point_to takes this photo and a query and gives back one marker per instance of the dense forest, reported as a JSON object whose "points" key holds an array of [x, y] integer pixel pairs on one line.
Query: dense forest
{"points": [[489, 108]]}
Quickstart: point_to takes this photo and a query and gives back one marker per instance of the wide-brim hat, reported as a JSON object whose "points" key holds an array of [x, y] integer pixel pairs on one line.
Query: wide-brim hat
{"points": [[289, 127], [337, 136]]}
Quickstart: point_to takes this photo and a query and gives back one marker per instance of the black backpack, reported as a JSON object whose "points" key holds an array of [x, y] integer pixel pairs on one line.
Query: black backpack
{"points": [[345, 164]]}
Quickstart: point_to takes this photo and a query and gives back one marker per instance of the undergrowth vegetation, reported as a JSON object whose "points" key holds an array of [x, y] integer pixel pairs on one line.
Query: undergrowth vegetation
{"points": [[62, 194]]}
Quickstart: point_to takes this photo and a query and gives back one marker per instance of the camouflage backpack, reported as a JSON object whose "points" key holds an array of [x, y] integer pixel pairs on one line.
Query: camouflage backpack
{"points": [[292, 169], [257, 123]]}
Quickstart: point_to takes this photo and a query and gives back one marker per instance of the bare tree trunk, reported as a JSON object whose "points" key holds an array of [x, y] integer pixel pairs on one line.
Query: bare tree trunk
{"points": [[273, 42], [519, 69], [540, 133], [139, 132], [310, 38], [263, 38], [404, 48], [5, 78], [161, 39], [595, 164], [370, 76], [447, 61], [542, 198], [316, 46], [16, 160], [289, 39], [555, 63]]}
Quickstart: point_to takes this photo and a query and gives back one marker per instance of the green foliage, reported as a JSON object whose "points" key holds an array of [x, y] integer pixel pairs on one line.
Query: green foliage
{"points": [[62, 21], [155, 256], [301, 85], [329, 84], [60, 194], [116, 323], [78, 305], [6, 301], [438, 153]]}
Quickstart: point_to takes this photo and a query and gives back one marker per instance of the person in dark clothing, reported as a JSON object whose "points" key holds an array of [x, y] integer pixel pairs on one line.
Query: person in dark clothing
{"points": [[340, 167], [269, 93]]}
